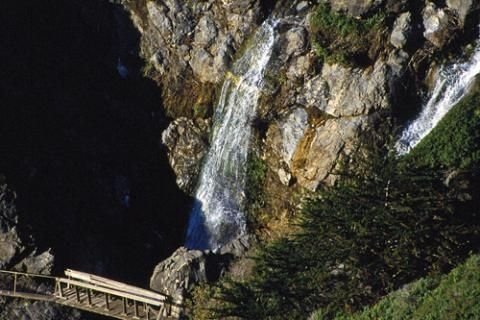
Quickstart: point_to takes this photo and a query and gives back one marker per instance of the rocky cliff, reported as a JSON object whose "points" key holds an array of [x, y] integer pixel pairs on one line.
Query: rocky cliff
{"points": [[317, 105], [342, 72]]}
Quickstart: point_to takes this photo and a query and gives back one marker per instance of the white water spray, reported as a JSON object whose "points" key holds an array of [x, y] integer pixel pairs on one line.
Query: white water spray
{"points": [[452, 85], [217, 216]]}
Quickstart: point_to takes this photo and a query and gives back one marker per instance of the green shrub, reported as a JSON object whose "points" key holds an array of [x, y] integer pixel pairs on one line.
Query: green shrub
{"points": [[338, 38], [254, 189]]}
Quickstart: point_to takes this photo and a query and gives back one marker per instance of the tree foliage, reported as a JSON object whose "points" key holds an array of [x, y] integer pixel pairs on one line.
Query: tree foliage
{"points": [[383, 225]]}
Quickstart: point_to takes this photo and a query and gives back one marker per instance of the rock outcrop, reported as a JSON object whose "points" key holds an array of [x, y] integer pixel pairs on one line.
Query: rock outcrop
{"points": [[191, 44], [186, 142]]}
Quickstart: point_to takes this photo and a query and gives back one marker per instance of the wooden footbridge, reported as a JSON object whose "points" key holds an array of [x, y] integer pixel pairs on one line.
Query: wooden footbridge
{"points": [[91, 293]]}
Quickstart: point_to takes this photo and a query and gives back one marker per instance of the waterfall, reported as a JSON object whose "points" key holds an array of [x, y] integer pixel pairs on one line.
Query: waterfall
{"points": [[452, 85], [216, 217]]}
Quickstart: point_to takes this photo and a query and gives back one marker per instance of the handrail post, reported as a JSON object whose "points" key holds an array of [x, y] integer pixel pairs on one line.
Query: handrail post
{"points": [[107, 302], [135, 306], [89, 297], [15, 284], [60, 289], [77, 293], [124, 306]]}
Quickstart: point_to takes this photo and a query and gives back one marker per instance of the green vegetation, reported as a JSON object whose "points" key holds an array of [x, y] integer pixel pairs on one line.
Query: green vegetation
{"points": [[451, 297], [255, 197], [455, 141], [382, 226], [339, 38]]}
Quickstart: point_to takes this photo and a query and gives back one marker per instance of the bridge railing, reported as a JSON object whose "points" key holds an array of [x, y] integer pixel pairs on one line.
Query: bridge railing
{"points": [[91, 293], [16, 284]]}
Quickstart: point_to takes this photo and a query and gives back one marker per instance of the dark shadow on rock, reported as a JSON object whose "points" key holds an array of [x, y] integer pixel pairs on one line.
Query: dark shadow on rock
{"points": [[81, 144]]}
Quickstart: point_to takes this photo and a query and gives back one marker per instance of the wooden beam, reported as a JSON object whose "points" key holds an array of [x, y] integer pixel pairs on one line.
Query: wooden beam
{"points": [[112, 284]]}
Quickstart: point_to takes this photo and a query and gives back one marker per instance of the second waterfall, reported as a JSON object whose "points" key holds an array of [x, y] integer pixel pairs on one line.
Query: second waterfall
{"points": [[217, 215]]}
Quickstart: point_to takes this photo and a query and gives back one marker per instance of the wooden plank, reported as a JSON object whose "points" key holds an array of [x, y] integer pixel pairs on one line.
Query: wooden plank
{"points": [[114, 292], [112, 284]]}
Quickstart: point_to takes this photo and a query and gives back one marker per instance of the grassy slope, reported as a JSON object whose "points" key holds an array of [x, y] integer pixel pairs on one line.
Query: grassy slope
{"points": [[455, 296]]}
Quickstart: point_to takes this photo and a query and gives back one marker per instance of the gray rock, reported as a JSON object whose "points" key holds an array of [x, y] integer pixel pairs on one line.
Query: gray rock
{"points": [[438, 25], [299, 67], [334, 138], [37, 263], [401, 30], [396, 6], [397, 61], [354, 7], [237, 247], [205, 31], [462, 7], [295, 41], [342, 91], [186, 144], [180, 272], [302, 6], [202, 64], [292, 131], [158, 17], [284, 176], [10, 247]]}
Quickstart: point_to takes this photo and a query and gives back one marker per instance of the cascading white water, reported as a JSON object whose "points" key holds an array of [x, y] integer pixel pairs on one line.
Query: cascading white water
{"points": [[216, 217], [452, 85]]}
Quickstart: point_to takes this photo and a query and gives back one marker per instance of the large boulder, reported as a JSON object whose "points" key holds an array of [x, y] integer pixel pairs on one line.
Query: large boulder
{"points": [[185, 268]]}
